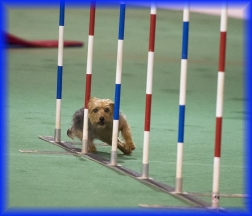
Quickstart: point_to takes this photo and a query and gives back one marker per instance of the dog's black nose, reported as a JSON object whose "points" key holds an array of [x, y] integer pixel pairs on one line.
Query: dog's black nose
{"points": [[101, 118]]}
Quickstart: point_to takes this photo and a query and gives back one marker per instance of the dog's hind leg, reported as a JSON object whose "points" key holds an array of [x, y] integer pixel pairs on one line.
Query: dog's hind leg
{"points": [[70, 133], [79, 134]]}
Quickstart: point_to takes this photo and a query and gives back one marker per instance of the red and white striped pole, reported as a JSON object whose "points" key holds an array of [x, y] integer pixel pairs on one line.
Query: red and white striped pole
{"points": [[145, 165], [219, 108], [88, 78]]}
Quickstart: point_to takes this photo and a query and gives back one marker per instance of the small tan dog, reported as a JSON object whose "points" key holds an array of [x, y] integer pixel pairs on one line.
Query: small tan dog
{"points": [[100, 125]]}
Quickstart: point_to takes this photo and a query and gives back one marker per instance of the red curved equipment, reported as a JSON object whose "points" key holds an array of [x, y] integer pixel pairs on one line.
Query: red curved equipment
{"points": [[14, 41]]}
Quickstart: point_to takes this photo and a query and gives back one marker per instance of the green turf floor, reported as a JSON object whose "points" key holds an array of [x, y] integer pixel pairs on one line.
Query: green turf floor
{"points": [[64, 180]]}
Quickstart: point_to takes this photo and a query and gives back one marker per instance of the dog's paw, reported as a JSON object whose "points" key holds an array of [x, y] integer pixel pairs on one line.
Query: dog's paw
{"points": [[131, 146], [92, 148]]}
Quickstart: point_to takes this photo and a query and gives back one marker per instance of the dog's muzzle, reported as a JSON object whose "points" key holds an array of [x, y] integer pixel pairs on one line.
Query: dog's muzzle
{"points": [[101, 121]]}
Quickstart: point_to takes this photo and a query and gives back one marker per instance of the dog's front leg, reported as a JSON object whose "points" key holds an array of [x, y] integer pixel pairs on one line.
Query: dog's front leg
{"points": [[91, 146], [122, 148], [124, 128]]}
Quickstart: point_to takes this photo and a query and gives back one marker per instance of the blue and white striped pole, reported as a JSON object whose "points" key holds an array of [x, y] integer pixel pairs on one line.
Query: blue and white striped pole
{"points": [[182, 100], [113, 159], [57, 132]]}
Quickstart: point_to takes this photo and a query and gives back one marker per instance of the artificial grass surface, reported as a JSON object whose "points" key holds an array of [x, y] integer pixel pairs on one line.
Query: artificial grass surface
{"points": [[65, 180]]}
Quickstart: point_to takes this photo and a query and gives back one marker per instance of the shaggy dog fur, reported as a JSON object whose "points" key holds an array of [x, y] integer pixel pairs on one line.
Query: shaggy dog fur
{"points": [[100, 125]]}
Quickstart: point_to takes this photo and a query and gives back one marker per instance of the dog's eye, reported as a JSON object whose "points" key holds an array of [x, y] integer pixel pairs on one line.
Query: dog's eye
{"points": [[106, 110], [95, 110]]}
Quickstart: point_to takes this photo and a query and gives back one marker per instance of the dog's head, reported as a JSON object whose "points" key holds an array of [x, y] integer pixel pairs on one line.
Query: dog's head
{"points": [[100, 112]]}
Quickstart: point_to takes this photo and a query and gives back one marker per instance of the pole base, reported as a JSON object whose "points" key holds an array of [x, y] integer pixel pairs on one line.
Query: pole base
{"points": [[178, 187], [84, 147], [145, 171], [57, 135], [113, 158], [215, 200]]}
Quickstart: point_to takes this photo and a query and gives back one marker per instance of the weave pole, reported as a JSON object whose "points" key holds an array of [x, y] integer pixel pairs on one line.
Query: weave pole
{"points": [[219, 108], [182, 100], [113, 157], [145, 165], [57, 132], [88, 78]]}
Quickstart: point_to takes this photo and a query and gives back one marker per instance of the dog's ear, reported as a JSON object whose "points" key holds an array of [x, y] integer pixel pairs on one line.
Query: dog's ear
{"points": [[92, 99], [111, 105]]}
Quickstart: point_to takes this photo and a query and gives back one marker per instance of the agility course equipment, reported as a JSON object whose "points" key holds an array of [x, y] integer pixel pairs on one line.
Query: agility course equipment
{"points": [[182, 100], [118, 85], [57, 132], [88, 77], [72, 149], [145, 164], [219, 107], [144, 176], [12, 41]]}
